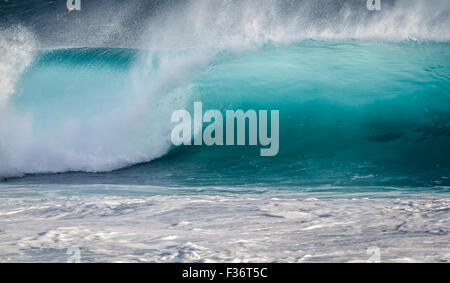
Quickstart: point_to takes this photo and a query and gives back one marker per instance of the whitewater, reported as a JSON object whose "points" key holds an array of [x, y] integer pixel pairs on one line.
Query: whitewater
{"points": [[86, 158]]}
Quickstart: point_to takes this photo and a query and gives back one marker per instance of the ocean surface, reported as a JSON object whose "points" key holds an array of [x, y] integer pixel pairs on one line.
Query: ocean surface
{"points": [[86, 160]]}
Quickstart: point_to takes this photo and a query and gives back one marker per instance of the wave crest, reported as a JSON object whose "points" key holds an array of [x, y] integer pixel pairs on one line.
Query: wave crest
{"points": [[17, 45]]}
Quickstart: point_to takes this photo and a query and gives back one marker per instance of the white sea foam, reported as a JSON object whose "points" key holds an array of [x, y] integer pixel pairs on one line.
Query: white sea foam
{"points": [[221, 228]]}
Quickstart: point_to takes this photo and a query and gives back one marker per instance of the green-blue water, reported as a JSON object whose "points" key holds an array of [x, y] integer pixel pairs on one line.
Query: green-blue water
{"points": [[352, 113]]}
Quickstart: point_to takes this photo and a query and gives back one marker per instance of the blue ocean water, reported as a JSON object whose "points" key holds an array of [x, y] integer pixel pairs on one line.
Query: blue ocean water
{"points": [[352, 112]]}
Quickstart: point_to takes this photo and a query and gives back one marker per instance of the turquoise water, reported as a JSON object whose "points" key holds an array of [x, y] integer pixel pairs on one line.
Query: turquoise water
{"points": [[352, 113]]}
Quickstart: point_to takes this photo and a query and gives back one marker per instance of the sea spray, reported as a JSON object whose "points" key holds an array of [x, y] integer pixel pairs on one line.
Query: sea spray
{"points": [[17, 46]]}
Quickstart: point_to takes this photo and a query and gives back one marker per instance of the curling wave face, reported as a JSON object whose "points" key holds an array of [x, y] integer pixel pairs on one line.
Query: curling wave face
{"points": [[352, 107]]}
